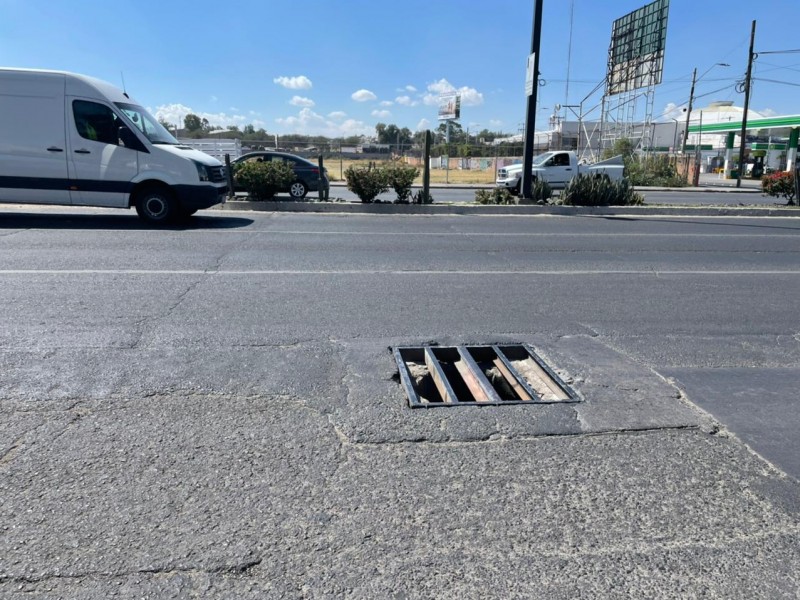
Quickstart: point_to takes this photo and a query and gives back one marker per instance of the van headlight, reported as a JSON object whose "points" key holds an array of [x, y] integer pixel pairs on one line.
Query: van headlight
{"points": [[202, 172]]}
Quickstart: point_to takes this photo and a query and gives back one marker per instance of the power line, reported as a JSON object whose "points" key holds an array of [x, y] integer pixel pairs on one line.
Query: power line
{"points": [[776, 81], [797, 51]]}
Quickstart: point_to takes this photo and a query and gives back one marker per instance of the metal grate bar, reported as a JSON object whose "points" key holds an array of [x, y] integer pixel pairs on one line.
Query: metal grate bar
{"points": [[442, 383], [520, 386], [480, 387]]}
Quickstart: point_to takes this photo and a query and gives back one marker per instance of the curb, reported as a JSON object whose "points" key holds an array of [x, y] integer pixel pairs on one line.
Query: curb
{"points": [[485, 210]]}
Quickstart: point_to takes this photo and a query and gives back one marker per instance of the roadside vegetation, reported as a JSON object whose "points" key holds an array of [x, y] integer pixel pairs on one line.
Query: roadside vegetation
{"points": [[780, 185], [586, 190], [541, 192], [373, 180], [653, 170], [262, 180]]}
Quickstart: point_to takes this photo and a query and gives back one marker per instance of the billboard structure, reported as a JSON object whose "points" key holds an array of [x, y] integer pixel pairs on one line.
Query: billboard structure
{"points": [[449, 107], [635, 67]]}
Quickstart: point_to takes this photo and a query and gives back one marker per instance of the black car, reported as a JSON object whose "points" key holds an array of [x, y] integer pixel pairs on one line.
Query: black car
{"points": [[306, 173]]}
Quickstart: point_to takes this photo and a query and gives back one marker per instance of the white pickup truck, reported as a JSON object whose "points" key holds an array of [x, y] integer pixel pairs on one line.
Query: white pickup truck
{"points": [[557, 168]]}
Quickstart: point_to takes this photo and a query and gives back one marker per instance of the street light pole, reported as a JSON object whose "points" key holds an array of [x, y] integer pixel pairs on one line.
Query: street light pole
{"points": [[743, 135], [689, 111], [530, 115]]}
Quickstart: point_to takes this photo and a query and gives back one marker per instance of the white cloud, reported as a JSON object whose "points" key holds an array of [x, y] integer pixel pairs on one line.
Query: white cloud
{"points": [[363, 96], [337, 114], [406, 101], [233, 108], [175, 113], [300, 101], [768, 112], [469, 96], [423, 124], [386, 103], [673, 111], [495, 122], [307, 122], [214, 98], [411, 88], [381, 114], [301, 82]]}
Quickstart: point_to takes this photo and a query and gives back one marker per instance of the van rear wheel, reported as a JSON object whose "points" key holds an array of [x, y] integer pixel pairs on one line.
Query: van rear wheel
{"points": [[156, 205]]}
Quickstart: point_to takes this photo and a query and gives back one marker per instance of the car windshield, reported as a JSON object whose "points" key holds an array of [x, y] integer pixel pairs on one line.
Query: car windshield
{"points": [[149, 126], [538, 161]]}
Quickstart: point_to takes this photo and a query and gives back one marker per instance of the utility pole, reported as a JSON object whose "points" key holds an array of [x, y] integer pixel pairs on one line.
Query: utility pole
{"points": [[689, 112], [746, 105], [532, 81]]}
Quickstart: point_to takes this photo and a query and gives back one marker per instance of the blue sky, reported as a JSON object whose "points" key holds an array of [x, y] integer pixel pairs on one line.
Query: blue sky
{"points": [[337, 67]]}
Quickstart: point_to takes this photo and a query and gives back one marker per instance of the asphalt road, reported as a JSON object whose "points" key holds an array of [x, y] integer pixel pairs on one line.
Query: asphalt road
{"points": [[212, 410]]}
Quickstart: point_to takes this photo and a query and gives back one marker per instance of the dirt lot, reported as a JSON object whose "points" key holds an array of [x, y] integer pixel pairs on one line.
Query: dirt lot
{"points": [[336, 169]]}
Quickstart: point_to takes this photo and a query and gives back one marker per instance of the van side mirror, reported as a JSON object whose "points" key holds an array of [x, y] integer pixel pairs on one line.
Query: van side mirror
{"points": [[129, 140]]}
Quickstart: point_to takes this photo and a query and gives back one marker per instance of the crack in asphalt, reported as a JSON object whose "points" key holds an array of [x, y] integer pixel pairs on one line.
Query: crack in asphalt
{"points": [[242, 568]]}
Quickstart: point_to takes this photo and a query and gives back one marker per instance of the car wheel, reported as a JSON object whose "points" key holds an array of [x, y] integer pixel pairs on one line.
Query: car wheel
{"points": [[516, 188], [298, 190], [156, 205]]}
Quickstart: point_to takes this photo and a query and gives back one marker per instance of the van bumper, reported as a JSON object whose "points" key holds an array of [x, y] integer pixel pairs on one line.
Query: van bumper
{"points": [[196, 197]]}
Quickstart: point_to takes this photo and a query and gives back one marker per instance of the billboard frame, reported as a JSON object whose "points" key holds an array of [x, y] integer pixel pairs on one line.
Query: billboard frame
{"points": [[449, 106], [637, 47]]}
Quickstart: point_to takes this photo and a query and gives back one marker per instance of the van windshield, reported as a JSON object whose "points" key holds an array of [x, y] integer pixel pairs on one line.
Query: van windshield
{"points": [[149, 126]]}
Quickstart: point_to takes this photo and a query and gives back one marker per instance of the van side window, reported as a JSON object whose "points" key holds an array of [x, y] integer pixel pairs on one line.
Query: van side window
{"points": [[96, 122]]}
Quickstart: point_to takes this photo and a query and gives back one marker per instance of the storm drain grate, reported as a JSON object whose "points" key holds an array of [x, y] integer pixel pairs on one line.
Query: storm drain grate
{"points": [[478, 375]]}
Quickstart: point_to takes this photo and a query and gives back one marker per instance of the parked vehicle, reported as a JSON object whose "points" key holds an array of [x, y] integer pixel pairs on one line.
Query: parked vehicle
{"points": [[557, 168], [307, 178], [75, 140]]}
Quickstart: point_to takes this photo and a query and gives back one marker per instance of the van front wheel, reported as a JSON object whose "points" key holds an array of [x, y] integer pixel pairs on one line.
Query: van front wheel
{"points": [[156, 205]]}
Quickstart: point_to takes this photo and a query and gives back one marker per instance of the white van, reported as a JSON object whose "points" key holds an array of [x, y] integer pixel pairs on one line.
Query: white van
{"points": [[75, 140]]}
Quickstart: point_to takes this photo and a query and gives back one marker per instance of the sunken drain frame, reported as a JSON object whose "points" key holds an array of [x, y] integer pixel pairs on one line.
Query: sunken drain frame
{"points": [[478, 375]]}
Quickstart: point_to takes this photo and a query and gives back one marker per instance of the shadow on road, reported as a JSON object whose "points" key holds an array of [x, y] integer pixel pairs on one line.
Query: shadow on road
{"points": [[695, 221], [122, 222]]}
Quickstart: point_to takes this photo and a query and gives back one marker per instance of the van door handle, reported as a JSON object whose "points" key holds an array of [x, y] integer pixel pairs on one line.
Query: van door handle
{"points": [[54, 149], [82, 151], [568, 169]]}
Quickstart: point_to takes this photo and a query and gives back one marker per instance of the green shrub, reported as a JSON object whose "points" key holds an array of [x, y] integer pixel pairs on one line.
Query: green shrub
{"points": [[541, 191], [652, 170], [587, 190], [779, 185], [496, 195], [262, 180], [366, 183], [400, 177], [420, 197]]}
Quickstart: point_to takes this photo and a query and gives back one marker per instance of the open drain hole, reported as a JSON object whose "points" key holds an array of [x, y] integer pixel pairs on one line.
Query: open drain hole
{"points": [[478, 375]]}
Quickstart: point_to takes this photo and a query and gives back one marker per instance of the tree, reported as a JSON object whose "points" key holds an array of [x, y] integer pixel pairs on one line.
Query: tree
{"points": [[457, 134], [249, 129], [380, 132], [392, 134], [165, 124], [622, 146], [192, 122]]}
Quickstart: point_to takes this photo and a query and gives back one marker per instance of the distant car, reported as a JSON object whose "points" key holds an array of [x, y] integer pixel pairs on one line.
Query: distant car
{"points": [[306, 173]]}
